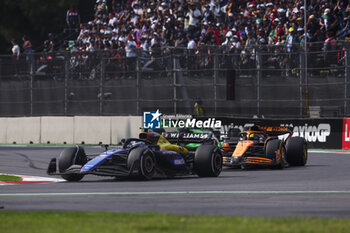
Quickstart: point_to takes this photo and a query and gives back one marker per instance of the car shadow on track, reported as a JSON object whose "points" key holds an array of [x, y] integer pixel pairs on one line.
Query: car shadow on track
{"points": [[155, 179]]}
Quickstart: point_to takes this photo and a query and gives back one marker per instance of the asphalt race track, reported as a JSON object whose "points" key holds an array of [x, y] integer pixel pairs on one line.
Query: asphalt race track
{"points": [[322, 188]]}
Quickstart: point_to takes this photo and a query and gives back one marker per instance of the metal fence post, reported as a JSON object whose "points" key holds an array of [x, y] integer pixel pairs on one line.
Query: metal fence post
{"points": [[301, 82], [138, 84], [347, 78], [216, 74], [175, 70], [102, 75], [31, 73], [66, 78], [258, 82]]}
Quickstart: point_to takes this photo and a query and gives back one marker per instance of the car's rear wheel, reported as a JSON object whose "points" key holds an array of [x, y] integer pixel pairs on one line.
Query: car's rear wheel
{"points": [[296, 148], [71, 156], [207, 161], [275, 150]]}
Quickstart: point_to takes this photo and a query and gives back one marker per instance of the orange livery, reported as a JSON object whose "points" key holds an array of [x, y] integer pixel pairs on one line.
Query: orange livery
{"points": [[261, 146]]}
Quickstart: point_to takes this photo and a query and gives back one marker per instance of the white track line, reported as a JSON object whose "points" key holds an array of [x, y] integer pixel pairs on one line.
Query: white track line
{"points": [[173, 193], [328, 152]]}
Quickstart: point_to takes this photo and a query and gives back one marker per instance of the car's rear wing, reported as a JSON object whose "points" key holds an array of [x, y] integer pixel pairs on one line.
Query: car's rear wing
{"points": [[187, 137]]}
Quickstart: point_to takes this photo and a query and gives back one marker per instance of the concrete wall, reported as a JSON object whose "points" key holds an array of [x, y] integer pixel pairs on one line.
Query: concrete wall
{"points": [[3, 129], [70, 130], [57, 130], [124, 127], [23, 130], [92, 130]]}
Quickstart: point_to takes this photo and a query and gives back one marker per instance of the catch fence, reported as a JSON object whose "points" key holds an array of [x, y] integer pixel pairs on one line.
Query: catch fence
{"points": [[269, 81]]}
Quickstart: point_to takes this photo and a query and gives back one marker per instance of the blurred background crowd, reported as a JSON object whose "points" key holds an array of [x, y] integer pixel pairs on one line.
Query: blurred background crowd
{"points": [[212, 22], [149, 29]]}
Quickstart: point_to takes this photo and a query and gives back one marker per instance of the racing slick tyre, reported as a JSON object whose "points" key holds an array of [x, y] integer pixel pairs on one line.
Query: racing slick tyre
{"points": [[147, 166], [207, 161], [71, 156], [296, 148], [276, 151]]}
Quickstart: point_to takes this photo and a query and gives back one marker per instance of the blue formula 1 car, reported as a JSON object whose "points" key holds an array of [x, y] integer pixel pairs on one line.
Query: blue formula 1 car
{"points": [[145, 157]]}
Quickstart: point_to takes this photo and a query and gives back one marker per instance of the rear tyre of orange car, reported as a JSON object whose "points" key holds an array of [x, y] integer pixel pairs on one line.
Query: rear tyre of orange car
{"points": [[296, 148], [71, 156], [207, 161], [276, 151]]}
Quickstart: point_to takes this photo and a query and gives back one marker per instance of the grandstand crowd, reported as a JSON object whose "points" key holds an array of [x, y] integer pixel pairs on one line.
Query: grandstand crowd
{"points": [[237, 27], [233, 23]]}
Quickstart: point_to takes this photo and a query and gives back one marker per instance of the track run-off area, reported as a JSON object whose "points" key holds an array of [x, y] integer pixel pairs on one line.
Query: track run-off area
{"points": [[321, 188]]}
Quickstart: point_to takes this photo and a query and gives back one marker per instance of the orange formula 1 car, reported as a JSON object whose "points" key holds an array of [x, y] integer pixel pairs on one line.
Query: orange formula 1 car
{"points": [[260, 146]]}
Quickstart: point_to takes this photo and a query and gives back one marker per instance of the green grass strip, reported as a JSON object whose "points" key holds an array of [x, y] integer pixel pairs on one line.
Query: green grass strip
{"points": [[8, 178], [61, 222]]}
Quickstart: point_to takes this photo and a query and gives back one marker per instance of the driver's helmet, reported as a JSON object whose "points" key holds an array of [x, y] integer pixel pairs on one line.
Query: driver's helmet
{"points": [[255, 136], [153, 137]]}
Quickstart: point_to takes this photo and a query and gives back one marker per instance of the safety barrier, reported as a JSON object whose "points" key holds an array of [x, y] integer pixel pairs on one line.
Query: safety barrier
{"points": [[69, 130], [23, 130], [57, 130], [320, 133]]}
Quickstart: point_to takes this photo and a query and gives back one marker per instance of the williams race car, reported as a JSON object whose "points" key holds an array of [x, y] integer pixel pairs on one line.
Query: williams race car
{"points": [[260, 146], [145, 157], [191, 138]]}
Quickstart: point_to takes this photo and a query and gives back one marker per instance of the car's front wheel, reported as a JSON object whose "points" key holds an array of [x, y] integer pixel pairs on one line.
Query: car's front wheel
{"points": [[208, 161], [276, 151], [71, 156]]}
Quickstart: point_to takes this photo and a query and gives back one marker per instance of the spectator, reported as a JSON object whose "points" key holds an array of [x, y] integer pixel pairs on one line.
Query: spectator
{"points": [[72, 18], [191, 46], [27, 45], [16, 51], [130, 49], [329, 22], [195, 16], [291, 46], [250, 47], [197, 108], [330, 46], [113, 21], [345, 31], [100, 8], [51, 43], [235, 50], [28, 51], [208, 15]]}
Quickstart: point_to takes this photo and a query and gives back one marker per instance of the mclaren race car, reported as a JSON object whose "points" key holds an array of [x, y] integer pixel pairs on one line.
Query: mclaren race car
{"points": [[145, 157], [260, 146]]}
